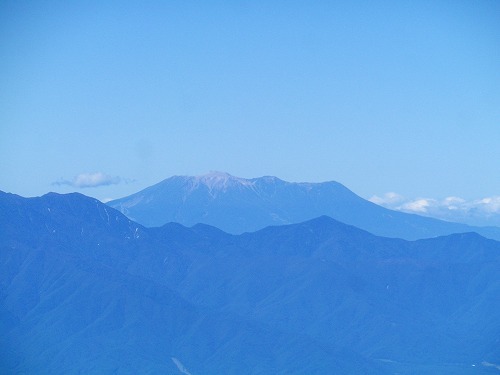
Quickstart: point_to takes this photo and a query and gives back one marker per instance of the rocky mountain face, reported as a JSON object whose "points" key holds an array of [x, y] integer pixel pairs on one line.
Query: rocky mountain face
{"points": [[85, 289], [238, 205]]}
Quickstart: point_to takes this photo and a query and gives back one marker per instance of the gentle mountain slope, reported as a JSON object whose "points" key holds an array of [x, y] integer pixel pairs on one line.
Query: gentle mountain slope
{"points": [[238, 205], [314, 297], [385, 298], [96, 301]]}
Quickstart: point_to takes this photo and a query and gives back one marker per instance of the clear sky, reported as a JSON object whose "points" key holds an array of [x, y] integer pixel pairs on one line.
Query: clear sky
{"points": [[382, 96]]}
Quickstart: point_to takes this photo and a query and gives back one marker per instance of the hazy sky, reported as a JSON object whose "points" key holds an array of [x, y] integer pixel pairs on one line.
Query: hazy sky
{"points": [[382, 96]]}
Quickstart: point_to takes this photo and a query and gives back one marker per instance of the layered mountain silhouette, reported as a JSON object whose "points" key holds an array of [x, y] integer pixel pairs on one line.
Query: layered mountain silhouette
{"points": [[238, 205], [85, 289]]}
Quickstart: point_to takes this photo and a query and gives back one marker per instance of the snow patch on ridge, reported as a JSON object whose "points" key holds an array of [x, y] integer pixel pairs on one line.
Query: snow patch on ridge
{"points": [[488, 364], [180, 366], [219, 182]]}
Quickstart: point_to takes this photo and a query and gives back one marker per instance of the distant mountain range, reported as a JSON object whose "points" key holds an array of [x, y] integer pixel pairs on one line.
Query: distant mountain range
{"points": [[238, 205], [83, 289]]}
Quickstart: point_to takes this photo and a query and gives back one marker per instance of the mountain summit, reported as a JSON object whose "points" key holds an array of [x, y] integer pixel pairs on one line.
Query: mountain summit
{"points": [[220, 181], [233, 204], [238, 205]]}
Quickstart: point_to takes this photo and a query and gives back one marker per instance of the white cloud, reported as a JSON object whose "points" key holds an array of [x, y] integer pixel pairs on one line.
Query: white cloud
{"points": [[453, 203], [485, 211], [490, 204], [418, 205], [390, 198], [87, 180]]}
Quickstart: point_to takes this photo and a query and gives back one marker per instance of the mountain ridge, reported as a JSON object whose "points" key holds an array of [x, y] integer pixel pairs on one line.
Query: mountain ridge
{"points": [[237, 205], [303, 292]]}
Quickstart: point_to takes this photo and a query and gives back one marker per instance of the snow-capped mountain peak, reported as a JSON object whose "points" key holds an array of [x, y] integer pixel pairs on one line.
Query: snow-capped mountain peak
{"points": [[215, 180]]}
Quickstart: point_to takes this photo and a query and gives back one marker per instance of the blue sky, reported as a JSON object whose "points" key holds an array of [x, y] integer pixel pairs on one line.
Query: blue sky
{"points": [[382, 96]]}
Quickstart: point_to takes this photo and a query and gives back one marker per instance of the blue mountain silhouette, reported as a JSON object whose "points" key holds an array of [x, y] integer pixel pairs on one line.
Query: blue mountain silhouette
{"points": [[85, 289], [238, 205]]}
